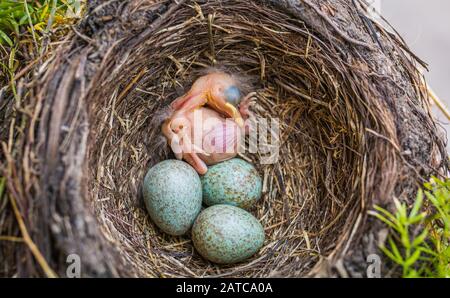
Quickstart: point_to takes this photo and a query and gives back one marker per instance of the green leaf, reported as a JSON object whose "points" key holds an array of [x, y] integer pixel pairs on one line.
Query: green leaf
{"points": [[15, 26], [404, 237], [4, 36], [417, 204], [12, 55], [414, 257], [385, 212], [23, 20], [383, 219], [401, 210], [395, 251], [420, 239], [390, 255], [417, 219], [432, 199]]}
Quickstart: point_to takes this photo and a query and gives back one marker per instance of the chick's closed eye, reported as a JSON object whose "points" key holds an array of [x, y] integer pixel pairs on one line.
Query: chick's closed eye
{"points": [[233, 95]]}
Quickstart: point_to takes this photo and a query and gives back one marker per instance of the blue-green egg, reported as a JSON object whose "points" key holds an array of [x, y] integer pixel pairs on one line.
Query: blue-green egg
{"points": [[225, 234], [233, 182], [173, 196]]}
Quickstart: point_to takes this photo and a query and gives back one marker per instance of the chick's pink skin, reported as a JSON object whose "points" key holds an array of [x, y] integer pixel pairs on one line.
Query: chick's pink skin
{"points": [[202, 137]]}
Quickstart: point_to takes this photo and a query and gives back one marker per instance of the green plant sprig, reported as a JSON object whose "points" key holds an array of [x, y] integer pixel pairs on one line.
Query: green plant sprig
{"points": [[425, 253]]}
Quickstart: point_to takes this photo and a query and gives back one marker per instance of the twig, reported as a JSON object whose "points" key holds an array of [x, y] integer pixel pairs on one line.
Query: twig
{"points": [[23, 229], [338, 31], [11, 238], [211, 38], [438, 102], [30, 22], [29, 242]]}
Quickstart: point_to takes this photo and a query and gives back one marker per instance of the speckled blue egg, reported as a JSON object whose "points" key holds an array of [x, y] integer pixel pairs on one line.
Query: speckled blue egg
{"points": [[232, 182], [173, 196], [225, 234]]}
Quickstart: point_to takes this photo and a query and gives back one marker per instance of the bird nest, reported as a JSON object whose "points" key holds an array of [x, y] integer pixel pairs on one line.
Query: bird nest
{"points": [[354, 130]]}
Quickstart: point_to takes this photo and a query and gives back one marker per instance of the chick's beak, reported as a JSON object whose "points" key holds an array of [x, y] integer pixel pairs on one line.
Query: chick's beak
{"points": [[226, 108], [234, 113]]}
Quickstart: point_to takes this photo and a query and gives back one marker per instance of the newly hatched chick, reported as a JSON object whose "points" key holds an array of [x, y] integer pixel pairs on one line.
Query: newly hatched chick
{"points": [[202, 137]]}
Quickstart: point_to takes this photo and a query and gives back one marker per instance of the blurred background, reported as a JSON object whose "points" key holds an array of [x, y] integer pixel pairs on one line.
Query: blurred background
{"points": [[425, 25]]}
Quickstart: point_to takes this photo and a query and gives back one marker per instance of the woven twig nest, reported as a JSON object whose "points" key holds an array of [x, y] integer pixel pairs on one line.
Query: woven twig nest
{"points": [[355, 130]]}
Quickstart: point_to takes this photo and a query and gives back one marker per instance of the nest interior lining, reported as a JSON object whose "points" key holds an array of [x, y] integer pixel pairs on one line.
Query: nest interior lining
{"points": [[312, 195]]}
